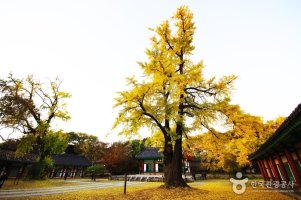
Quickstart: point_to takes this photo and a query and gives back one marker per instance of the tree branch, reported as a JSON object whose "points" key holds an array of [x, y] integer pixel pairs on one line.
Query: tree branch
{"points": [[191, 106], [207, 91], [152, 117], [209, 129]]}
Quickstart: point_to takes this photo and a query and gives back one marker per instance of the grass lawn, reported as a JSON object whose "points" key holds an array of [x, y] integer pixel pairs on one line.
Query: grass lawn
{"points": [[209, 189]]}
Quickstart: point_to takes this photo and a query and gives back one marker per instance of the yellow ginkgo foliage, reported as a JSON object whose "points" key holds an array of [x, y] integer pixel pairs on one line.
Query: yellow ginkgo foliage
{"points": [[174, 97], [228, 151]]}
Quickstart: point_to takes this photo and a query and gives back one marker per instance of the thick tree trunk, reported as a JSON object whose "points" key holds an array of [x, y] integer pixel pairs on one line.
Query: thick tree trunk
{"points": [[173, 157], [173, 169], [173, 164], [42, 167]]}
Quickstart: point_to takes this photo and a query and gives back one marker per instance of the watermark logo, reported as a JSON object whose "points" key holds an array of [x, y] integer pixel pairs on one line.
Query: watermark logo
{"points": [[273, 186], [239, 184]]}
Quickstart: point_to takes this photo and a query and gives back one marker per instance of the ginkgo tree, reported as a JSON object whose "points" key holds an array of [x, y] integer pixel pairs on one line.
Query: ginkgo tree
{"points": [[29, 106], [174, 97]]}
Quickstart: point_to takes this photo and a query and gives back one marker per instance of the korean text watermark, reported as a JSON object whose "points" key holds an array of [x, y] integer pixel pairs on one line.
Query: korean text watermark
{"points": [[240, 185]]}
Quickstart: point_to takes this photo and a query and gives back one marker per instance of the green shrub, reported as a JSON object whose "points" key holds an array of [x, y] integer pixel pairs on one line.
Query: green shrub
{"points": [[96, 169]]}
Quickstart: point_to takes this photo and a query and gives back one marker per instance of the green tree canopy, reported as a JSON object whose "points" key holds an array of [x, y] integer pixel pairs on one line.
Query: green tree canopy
{"points": [[88, 145]]}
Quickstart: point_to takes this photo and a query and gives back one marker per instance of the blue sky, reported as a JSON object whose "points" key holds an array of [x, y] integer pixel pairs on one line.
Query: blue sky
{"points": [[94, 45]]}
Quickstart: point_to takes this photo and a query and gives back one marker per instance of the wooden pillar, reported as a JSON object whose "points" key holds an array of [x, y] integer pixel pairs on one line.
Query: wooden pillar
{"points": [[154, 166], [51, 173], [142, 167], [264, 170], [83, 171], [271, 169], [75, 170], [293, 166], [62, 172], [275, 170], [298, 156], [261, 170], [282, 168], [71, 172], [266, 163], [3, 170]]}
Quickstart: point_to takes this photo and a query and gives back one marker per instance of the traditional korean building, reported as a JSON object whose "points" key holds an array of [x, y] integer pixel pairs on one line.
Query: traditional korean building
{"points": [[279, 158], [15, 166], [150, 161], [74, 165], [191, 164]]}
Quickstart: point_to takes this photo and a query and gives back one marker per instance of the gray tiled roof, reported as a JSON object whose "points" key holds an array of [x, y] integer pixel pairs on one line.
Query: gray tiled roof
{"points": [[6, 155], [59, 159], [150, 152], [70, 159]]}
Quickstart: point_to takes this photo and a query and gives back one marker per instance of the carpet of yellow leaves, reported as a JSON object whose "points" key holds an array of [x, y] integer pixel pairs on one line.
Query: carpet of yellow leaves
{"points": [[23, 184], [210, 189], [222, 189]]}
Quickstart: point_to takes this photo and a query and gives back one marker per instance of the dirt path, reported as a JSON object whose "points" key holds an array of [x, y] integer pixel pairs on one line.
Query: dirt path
{"points": [[57, 190]]}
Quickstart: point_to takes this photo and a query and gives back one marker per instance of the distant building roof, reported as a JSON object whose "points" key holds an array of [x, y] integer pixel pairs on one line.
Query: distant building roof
{"points": [[7, 155], [59, 159], [150, 152], [286, 136], [70, 159], [71, 150]]}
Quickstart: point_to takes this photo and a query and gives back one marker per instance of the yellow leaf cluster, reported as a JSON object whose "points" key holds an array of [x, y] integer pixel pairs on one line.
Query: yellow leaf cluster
{"points": [[229, 150]]}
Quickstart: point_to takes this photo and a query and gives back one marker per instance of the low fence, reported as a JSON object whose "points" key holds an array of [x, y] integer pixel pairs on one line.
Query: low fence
{"points": [[227, 176], [146, 177], [188, 178], [139, 177]]}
